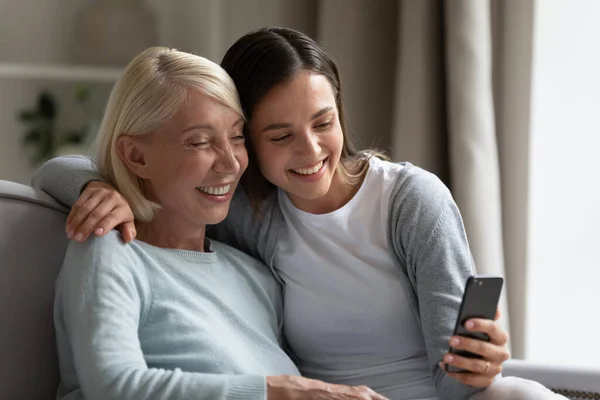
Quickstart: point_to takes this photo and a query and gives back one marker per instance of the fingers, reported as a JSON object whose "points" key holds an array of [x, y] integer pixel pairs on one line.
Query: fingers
{"points": [[365, 392], [102, 218], [117, 216], [476, 365], [491, 328], [84, 197], [489, 351], [475, 380], [343, 392], [80, 212], [128, 231], [99, 209], [370, 394], [497, 317]]}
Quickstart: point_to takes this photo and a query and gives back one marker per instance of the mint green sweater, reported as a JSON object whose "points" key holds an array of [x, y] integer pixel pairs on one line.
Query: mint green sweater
{"points": [[141, 322]]}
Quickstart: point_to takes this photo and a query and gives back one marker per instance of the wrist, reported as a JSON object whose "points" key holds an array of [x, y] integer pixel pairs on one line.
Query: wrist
{"points": [[276, 387], [95, 183]]}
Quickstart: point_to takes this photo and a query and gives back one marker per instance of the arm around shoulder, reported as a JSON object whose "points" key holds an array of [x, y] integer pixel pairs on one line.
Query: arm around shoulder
{"points": [[65, 177]]}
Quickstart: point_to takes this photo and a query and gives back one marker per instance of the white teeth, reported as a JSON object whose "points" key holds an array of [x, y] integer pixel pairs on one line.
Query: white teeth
{"points": [[309, 171], [215, 191]]}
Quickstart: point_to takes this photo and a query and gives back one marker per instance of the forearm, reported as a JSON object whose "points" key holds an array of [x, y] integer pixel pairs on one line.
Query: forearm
{"points": [[442, 268], [65, 177], [141, 383], [428, 238]]}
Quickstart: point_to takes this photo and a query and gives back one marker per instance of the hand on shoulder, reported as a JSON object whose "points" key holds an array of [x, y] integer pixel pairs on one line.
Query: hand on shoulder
{"points": [[99, 209]]}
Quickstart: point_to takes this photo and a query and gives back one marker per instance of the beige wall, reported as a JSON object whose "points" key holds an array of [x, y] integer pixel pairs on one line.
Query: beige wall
{"points": [[40, 31]]}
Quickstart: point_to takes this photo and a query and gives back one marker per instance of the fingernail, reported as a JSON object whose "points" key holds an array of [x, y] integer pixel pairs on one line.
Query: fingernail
{"points": [[470, 324], [78, 237], [454, 341], [448, 359], [99, 231], [70, 234]]}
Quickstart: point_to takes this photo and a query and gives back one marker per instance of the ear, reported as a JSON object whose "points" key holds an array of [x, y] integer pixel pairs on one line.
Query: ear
{"points": [[131, 152]]}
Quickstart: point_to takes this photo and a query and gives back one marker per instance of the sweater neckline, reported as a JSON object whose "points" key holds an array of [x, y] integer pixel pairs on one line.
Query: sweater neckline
{"points": [[208, 257]]}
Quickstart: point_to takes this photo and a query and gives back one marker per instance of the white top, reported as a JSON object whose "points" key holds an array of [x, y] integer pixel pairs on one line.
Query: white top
{"points": [[346, 315]]}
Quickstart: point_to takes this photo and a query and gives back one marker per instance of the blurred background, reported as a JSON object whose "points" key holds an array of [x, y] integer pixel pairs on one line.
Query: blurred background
{"points": [[500, 98]]}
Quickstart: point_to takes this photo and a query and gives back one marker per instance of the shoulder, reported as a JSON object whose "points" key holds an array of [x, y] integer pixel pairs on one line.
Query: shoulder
{"points": [[407, 178], [417, 190], [102, 249], [419, 183], [102, 258], [419, 203]]}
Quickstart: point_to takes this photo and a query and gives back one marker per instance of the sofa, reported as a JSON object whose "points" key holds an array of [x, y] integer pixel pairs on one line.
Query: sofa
{"points": [[32, 246]]}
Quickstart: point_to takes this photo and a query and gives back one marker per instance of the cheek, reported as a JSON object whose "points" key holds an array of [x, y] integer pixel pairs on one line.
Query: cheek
{"points": [[336, 141], [242, 157], [189, 169], [270, 160]]}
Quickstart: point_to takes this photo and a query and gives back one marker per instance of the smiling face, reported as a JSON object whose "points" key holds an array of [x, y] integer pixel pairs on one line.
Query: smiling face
{"points": [[297, 138], [192, 165]]}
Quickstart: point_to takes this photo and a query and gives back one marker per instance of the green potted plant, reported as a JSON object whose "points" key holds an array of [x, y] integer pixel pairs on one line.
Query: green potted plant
{"points": [[41, 133]]}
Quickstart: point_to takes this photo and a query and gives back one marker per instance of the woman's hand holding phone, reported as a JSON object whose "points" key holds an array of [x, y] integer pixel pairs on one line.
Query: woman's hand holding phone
{"points": [[479, 372]]}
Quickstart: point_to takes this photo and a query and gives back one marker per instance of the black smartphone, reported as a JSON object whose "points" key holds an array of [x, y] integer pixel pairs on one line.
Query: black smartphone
{"points": [[480, 300]]}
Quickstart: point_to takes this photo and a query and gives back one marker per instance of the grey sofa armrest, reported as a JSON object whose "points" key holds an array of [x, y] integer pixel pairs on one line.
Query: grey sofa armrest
{"points": [[32, 248], [572, 382]]}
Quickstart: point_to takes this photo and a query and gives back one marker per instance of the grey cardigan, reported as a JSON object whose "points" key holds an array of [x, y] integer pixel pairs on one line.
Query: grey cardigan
{"points": [[426, 236]]}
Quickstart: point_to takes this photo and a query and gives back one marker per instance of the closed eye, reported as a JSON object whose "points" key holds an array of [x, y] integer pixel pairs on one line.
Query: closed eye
{"points": [[280, 138], [323, 126]]}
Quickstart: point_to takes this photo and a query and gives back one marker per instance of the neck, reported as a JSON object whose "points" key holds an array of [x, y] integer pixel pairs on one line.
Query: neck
{"points": [[170, 232], [338, 195]]}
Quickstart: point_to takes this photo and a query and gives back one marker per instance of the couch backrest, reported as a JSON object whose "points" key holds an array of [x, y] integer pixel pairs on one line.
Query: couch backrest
{"points": [[32, 248]]}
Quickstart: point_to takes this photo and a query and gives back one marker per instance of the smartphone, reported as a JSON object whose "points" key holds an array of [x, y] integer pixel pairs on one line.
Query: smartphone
{"points": [[480, 300]]}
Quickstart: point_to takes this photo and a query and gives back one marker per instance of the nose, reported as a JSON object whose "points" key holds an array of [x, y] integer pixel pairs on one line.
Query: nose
{"points": [[226, 162], [308, 145]]}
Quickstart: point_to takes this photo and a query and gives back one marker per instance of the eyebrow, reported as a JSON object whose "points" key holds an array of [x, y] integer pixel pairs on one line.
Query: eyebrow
{"points": [[205, 126], [209, 126], [281, 125]]}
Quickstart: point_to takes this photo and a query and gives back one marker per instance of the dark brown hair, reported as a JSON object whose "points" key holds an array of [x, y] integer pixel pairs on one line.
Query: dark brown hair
{"points": [[265, 58]]}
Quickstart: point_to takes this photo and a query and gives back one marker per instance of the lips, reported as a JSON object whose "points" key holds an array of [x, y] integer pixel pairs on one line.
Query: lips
{"points": [[306, 171]]}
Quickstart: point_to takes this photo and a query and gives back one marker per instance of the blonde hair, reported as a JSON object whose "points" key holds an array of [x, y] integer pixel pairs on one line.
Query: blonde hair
{"points": [[148, 94]]}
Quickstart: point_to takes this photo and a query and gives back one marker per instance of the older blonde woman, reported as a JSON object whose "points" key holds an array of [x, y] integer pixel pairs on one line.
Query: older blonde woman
{"points": [[173, 315]]}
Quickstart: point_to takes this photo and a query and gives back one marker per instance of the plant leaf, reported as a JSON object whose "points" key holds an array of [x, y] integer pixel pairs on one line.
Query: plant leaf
{"points": [[82, 93], [29, 116], [47, 106], [73, 137], [32, 137]]}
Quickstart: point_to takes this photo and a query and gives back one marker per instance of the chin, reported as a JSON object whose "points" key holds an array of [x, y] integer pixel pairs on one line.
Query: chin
{"points": [[215, 220], [215, 217]]}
